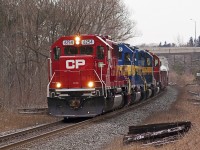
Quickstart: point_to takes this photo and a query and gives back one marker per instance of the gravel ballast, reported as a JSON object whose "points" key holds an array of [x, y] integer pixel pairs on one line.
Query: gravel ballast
{"points": [[98, 135]]}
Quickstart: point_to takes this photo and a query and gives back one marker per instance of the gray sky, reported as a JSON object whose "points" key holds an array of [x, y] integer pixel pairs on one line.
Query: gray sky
{"points": [[164, 20]]}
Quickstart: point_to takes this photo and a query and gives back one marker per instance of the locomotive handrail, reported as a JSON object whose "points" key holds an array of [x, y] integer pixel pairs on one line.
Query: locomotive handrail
{"points": [[49, 84], [102, 82]]}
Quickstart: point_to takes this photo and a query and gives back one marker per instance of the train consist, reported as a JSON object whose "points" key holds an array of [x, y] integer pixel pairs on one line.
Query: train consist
{"points": [[91, 74]]}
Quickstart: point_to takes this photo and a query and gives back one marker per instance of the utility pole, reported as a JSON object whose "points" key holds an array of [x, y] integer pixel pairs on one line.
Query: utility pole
{"points": [[195, 32]]}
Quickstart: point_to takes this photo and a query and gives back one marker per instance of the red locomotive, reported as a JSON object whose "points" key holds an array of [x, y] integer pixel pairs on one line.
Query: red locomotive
{"points": [[84, 77]]}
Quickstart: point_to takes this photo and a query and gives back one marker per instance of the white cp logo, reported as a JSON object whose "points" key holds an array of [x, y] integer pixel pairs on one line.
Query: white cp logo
{"points": [[72, 64]]}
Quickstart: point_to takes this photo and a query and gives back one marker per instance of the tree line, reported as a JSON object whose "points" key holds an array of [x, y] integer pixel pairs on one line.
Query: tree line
{"points": [[27, 30], [191, 43], [194, 43]]}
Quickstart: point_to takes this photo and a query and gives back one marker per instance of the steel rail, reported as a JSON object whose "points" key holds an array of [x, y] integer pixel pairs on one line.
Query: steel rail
{"points": [[32, 110], [11, 136]]}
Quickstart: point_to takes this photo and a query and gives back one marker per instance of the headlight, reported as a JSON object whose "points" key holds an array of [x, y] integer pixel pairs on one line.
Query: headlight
{"points": [[77, 39], [90, 84], [58, 84]]}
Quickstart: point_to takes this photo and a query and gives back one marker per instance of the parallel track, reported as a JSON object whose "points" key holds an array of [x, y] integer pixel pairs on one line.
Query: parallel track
{"points": [[33, 111], [6, 142]]}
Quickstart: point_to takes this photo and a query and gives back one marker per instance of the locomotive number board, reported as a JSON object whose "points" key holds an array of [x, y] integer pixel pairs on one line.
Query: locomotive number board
{"points": [[83, 42], [68, 42], [87, 42]]}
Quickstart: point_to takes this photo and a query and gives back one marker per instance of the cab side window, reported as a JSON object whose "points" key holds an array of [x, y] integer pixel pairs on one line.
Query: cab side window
{"points": [[127, 59], [100, 52], [156, 63], [56, 52], [149, 62]]}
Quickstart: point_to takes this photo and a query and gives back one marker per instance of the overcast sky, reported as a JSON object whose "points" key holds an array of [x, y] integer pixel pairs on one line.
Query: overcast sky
{"points": [[164, 20]]}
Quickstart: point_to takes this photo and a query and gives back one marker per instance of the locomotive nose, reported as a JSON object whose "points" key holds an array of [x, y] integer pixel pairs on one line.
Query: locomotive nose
{"points": [[77, 72]]}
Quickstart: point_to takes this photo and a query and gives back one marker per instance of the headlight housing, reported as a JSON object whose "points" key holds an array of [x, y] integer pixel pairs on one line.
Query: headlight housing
{"points": [[77, 40], [58, 84], [90, 84]]}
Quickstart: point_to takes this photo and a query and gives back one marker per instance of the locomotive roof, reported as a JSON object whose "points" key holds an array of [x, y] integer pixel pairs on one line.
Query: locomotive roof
{"points": [[85, 35], [104, 42], [127, 48]]}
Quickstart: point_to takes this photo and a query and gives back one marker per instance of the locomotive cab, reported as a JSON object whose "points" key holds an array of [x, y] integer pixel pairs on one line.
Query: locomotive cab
{"points": [[156, 74], [82, 73], [127, 68], [145, 61], [164, 72]]}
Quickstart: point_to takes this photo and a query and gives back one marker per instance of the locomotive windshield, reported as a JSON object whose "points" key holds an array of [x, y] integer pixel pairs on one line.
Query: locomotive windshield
{"points": [[86, 50], [72, 50]]}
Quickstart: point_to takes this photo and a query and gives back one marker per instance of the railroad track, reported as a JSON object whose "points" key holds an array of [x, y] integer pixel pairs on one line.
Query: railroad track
{"points": [[20, 139], [17, 138], [33, 111]]}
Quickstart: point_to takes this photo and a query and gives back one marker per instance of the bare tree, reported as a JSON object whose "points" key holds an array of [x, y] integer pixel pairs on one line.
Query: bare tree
{"points": [[28, 28]]}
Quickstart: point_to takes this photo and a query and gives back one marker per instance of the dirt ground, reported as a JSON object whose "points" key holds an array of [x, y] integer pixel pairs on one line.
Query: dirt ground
{"points": [[13, 120], [184, 109]]}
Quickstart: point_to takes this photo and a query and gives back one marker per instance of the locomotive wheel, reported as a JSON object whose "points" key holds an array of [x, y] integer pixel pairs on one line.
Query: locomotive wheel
{"points": [[153, 92], [143, 95]]}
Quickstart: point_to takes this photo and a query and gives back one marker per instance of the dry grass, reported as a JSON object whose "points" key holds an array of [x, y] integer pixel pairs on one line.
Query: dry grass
{"points": [[181, 80], [182, 110], [11, 120]]}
